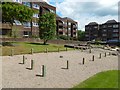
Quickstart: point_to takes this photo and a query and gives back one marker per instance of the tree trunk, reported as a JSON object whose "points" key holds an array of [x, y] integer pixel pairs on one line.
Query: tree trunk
{"points": [[45, 41]]}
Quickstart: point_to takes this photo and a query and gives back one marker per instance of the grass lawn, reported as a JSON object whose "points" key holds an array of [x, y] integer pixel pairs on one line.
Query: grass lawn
{"points": [[25, 48], [107, 79]]}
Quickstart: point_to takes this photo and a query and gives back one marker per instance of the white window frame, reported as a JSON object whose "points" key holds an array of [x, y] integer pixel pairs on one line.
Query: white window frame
{"points": [[36, 6]]}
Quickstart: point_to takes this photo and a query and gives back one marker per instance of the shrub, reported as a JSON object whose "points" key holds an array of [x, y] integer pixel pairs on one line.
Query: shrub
{"points": [[7, 44]]}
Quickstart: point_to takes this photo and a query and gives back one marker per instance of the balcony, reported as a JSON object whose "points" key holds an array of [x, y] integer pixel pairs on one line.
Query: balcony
{"points": [[74, 30], [60, 30], [74, 26], [6, 26], [60, 24]]}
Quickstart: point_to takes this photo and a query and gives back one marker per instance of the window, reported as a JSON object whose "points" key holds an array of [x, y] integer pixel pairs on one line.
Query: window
{"points": [[95, 27], [104, 30], [87, 35], [36, 15], [115, 26], [27, 24], [104, 26], [36, 6], [109, 25], [19, 1], [95, 35], [115, 30], [27, 4], [69, 23], [52, 11], [115, 35], [17, 22], [35, 24], [104, 35]]}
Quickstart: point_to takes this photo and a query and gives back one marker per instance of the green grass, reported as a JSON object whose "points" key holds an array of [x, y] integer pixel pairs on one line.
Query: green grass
{"points": [[25, 48], [107, 79]]}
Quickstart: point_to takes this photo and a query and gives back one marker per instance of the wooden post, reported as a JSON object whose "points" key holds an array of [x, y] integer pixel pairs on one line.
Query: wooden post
{"points": [[31, 50], [58, 50], [93, 58], [100, 56], [89, 50], [42, 72], [81, 49], [31, 65], [66, 49], [46, 50], [67, 67], [83, 61], [67, 64], [23, 60], [105, 54], [12, 52]]}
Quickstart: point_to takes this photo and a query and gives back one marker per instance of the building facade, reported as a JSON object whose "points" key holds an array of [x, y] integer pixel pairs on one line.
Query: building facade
{"points": [[104, 32], [65, 26], [91, 31]]}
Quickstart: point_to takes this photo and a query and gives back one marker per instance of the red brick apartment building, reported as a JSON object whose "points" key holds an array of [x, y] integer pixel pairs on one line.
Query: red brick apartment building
{"points": [[105, 32], [65, 26]]}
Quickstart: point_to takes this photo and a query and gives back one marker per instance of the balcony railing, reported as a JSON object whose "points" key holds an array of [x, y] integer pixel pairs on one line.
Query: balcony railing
{"points": [[60, 24], [6, 26]]}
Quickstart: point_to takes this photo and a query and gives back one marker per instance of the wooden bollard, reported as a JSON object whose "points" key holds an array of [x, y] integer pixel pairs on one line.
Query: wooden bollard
{"points": [[23, 60], [83, 61], [31, 50], [89, 50], [12, 52], [58, 49], [42, 72], [93, 58], [100, 56], [74, 48], [67, 64], [67, 67], [105, 54], [46, 50], [81, 49], [66, 49], [31, 65]]}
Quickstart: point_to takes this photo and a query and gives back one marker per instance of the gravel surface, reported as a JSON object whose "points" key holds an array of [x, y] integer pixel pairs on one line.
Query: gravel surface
{"points": [[15, 75]]}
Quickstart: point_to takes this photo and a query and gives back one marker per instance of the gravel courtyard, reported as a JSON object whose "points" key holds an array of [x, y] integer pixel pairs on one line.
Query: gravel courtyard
{"points": [[15, 75]]}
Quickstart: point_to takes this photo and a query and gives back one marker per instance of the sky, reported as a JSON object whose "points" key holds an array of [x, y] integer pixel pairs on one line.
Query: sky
{"points": [[86, 11]]}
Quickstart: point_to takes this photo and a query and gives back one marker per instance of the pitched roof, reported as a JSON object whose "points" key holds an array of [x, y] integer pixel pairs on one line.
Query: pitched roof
{"points": [[111, 21], [93, 23]]}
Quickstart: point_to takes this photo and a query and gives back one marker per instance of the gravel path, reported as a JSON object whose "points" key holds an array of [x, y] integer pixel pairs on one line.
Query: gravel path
{"points": [[15, 75]]}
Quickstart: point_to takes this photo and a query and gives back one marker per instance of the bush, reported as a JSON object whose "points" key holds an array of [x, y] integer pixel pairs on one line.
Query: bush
{"points": [[7, 44], [64, 37]]}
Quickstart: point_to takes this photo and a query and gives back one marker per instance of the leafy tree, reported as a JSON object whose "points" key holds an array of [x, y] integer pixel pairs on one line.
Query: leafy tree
{"points": [[14, 11], [47, 26], [81, 35]]}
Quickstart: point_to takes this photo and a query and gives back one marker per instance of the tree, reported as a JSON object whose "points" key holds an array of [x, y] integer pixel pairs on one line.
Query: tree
{"points": [[14, 11], [47, 26], [81, 35]]}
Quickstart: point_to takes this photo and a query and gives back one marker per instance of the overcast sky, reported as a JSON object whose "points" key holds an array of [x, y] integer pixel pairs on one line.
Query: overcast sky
{"points": [[87, 11]]}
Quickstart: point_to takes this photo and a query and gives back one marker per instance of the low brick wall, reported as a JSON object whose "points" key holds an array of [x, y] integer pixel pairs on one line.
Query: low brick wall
{"points": [[40, 41]]}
